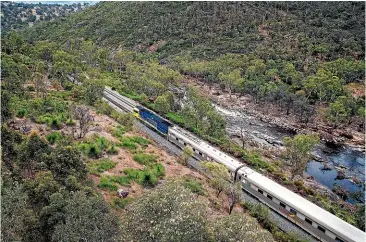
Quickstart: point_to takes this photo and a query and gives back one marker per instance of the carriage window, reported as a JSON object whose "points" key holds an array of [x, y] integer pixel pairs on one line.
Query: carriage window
{"points": [[282, 205], [308, 221], [339, 240], [269, 196], [293, 211], [321, 229], [260, 191]]}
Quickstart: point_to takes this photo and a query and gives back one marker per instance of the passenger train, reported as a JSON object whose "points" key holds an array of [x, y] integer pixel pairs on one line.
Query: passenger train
{"points": [[318, 222]]}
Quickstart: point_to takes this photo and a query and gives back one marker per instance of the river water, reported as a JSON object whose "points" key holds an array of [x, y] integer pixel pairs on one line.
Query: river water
{"points": [[351, 162]]}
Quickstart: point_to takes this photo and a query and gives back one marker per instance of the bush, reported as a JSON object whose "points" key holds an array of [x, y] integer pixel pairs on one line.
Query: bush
{"points": [[193, 185], [53, 137], [111, 149], [127, 143], [144, 159], [121, 203], [107, 184], [56, 123], [94, 150], [141, 141], [119, 131], [21, 113], [31, 88], [99, 166], [148, 176]]}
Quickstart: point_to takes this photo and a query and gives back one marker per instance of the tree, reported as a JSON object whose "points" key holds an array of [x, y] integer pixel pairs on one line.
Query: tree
{"points": [[93, 91], [231, 80], [219, 176], [239, 227], [66, 161], [234, 193], [41, 188], [339, 111], [82, 113], [170, 212], [162, 104], [38, 77], [17, 217], [360, 216], [122, 57], [323, 86], [32, 153], [187, 154], [298, 151], [86, 219]]}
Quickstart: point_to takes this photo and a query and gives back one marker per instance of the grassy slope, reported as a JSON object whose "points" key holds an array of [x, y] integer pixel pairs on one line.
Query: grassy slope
{"points": [[208, 29]]}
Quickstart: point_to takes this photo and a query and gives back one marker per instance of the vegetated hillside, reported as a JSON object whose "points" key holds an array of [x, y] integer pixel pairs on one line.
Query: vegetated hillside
{"points": [[287, 30], [17, 15]]}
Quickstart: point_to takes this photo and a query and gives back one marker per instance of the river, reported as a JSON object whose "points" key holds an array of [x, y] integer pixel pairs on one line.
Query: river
{"points": [[351, 162]]}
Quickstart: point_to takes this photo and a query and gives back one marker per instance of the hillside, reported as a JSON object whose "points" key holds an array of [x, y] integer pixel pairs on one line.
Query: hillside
{"points": [[66, 151], [287, 30], [18, 15]]}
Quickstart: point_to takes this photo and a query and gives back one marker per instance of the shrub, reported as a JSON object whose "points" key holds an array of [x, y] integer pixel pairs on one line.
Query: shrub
{"points": [[111, 149], [148, 176], [119, 203], [94, 150], [141, 141], [144, 159], [21, 113], [31, 88], [70, 122], [56, 123], [119, 131], [193, 185], [53, 137], [99, 166], [127, 143], [106, 184]]}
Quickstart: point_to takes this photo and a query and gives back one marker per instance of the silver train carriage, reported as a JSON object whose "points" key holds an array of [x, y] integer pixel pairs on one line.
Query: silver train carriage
{"points": [[317, 221]]}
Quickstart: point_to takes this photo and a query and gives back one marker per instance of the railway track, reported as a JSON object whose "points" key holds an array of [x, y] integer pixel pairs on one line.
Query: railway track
{"points": [[118, 100], [128, 105]]}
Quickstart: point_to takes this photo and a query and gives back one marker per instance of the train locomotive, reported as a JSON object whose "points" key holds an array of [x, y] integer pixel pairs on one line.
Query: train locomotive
{"points": [[310, 217]]}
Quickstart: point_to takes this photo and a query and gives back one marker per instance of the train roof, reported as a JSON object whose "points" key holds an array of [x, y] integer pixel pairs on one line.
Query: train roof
{"points": [[300, 204], [305, 207], [212, 152]]}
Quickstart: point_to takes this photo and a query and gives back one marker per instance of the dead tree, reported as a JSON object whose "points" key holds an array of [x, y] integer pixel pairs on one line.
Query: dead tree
{"points": [[82, 113]]}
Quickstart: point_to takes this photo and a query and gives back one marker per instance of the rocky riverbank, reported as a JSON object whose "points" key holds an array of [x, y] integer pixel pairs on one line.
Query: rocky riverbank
{"points": [[349, 135]]}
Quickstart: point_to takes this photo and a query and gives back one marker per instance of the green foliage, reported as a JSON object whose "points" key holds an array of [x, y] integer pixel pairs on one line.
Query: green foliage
{"points": [[99, 166], [360, 216], [54, 137], [106, 184], [340, 111], [167, 213], [238, 227], [118, 131], [132, 142], [193, 185], [121, 203], [127, 120], [148, 176], [298, 151], [145, 159], [176, 118], [95, 221], [96, 145]]}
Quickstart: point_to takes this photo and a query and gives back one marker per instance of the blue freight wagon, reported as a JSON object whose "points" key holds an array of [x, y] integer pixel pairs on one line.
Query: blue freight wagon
{"points": [[153, 119]]}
